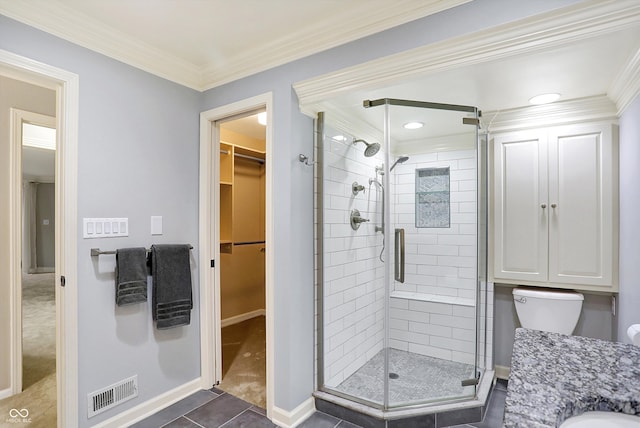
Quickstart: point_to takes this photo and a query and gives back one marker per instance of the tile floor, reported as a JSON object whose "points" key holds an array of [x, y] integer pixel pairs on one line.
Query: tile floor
{"points": [[214, 408]]}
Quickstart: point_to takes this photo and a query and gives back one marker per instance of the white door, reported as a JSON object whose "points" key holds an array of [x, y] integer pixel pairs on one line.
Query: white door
{"points": [[580, 177], [521, 206]]}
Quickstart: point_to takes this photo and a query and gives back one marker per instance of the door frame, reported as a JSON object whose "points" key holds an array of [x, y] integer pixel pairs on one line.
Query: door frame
{"points": [[18, 117], [66, 87], [209, 241]]}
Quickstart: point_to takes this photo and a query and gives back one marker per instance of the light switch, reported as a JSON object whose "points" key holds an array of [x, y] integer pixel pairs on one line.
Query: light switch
{"points": [[156, 225], [105, 227]]}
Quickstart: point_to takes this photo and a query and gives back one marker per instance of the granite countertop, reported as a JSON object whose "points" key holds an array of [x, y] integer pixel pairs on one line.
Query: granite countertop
{"points": [[555, 376]]}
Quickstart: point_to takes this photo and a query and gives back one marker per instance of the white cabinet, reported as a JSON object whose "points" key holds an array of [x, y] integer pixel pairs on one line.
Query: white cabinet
{"points": [[555, 207]]}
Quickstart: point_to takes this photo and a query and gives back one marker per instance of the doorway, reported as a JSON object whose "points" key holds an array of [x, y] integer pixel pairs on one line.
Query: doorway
{"points": [[33, 303], [27, 75], [38, 141], [237, 292], [242, 256]]}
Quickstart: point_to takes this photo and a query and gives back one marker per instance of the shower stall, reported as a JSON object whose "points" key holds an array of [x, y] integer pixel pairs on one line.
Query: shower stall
{"points": [[401, 256]]}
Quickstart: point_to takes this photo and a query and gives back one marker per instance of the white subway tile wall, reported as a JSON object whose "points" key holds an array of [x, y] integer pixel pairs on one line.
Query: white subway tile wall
{"points": [[353, 272], [439, 261], [440, 264]]}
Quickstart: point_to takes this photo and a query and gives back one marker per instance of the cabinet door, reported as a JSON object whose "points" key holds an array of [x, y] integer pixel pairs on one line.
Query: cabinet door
{"points": [[581, 193], [520, 206]]}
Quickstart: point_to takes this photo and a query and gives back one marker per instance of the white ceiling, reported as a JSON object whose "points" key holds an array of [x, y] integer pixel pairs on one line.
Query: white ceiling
{"points": [[202, 44], [206, 43], [577, 69]]}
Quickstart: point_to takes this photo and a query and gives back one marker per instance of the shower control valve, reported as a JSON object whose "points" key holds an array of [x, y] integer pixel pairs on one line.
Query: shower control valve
{"points": [[356, 220], [356, 188]]}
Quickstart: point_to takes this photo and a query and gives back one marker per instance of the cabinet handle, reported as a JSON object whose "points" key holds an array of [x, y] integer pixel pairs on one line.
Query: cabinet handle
{"points": [[543, 206], [553, 205]]}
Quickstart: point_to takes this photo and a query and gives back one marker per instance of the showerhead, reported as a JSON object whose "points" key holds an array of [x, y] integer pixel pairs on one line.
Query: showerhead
{"points": [[371, 149], [401, 159]]}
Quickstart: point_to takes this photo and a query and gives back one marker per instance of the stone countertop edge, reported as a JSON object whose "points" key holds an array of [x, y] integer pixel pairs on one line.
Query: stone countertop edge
{"points": [[554, 377]]}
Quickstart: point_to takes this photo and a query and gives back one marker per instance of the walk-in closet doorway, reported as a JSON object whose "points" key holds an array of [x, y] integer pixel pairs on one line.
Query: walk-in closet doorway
{"points": [[242, 256], [235, 219]]}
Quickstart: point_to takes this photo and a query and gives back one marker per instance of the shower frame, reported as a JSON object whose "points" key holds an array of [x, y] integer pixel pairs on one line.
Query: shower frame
{"points": [[481, 256]]}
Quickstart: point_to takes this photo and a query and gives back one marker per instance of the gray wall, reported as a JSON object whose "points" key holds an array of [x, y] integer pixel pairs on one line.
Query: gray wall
{"points": [[629, 310], [596, 320], [138, 157], [45, 233]]}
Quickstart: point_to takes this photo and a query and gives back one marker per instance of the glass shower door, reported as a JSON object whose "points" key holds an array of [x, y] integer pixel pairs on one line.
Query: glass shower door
{"points": [[400, 283], [431, 286]]}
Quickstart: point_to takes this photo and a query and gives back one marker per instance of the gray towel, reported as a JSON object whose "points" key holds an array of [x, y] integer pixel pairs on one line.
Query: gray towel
{"points": [[131, 276], [172, 299]]}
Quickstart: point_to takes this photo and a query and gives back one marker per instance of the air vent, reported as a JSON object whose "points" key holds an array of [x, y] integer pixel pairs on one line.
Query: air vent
{"points": [[111, 396]]}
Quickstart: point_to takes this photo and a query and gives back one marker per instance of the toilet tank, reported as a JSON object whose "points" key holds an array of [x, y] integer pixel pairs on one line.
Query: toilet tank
{"points": [[548, 310]]}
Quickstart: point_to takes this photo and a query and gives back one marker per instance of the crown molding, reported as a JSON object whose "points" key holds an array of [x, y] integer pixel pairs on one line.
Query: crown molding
{"points": [[321, 37], [63, 21], [589, 109], [626, 86], [573, 23], [60, 20]]}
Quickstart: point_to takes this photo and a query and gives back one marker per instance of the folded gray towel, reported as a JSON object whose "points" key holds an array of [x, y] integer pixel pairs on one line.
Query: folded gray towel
{"points": [[131, 276], [172, 299]]}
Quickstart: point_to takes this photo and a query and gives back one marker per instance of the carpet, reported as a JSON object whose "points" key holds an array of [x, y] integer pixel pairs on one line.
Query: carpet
{"points": [[412, 378], [244, 361], [38, 354]]}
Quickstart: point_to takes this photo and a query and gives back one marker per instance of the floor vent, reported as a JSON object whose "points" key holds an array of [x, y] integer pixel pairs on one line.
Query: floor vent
{"points": [[111, 396]]}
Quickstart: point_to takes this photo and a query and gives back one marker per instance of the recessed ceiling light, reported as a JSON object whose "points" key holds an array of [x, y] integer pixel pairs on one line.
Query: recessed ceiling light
{"points": [[413, 125], [544, 99], [262, 118]]}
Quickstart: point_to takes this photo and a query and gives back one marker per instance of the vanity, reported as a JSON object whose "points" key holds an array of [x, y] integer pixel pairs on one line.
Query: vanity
{"points": [[555, 377]]}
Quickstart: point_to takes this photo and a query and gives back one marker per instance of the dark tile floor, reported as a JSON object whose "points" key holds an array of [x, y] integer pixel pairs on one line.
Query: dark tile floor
{"points": [[214, 408]]}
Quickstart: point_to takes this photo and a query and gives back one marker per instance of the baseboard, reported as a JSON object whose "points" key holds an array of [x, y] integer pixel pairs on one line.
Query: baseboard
{"points": [[4, 393], [44, 270], [149, 407], [242, 317], [293, 418], [502, 372]]}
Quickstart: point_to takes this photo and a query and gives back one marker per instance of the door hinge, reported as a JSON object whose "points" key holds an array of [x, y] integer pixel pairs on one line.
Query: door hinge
{"points": [[63, 281], [470, 121], [213, 263]]}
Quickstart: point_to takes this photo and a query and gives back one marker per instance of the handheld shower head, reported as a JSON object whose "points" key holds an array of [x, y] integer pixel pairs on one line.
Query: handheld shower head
{"points": [[371, 149], [401, 159]]}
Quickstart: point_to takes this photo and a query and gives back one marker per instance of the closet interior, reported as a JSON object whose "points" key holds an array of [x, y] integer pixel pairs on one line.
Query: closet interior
{"points": [[242, 258]]}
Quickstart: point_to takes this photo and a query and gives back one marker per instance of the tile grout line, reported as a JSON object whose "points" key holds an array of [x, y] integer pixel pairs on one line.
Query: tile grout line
{"points": [[224, 424], [191, 410], [192, 421]]}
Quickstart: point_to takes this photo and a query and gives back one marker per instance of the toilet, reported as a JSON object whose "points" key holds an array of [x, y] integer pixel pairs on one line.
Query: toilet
{"points": [[548, 310]]}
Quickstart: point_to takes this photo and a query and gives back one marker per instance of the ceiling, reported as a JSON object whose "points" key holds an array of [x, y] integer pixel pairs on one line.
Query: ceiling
{"points": [[577, 69], [202, 44]]}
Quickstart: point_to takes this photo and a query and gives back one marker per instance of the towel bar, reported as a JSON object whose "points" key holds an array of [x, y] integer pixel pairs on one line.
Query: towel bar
{"points": [[98, 252]]}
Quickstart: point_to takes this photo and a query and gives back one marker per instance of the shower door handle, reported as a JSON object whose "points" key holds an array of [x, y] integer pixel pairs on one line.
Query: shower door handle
{"points": [[399, 255]]}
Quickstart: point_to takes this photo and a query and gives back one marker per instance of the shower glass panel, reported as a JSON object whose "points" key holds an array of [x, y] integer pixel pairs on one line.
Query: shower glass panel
{"points": [[402, 290]]}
